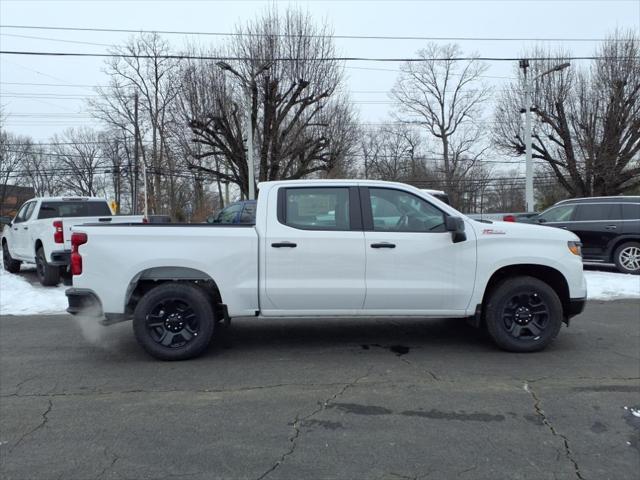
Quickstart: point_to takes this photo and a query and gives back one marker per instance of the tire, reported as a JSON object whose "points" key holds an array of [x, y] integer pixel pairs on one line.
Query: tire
{"points": [[174, 322], [523, 314], [49, 275], [627, 258], [9, 264]]}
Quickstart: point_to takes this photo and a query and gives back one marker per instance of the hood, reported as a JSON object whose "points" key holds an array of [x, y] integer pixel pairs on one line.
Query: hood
{"points": [[522, 230]]}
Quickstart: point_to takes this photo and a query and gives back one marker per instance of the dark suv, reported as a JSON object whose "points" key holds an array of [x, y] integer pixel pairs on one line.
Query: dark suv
{"points": [[609, 228]]}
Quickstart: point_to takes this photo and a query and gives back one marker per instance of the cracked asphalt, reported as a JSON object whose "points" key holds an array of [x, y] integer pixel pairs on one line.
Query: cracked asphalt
{"points": [[335, 399]]}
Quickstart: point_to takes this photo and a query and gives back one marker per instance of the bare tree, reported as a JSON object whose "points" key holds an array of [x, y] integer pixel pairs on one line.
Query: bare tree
{"points": [[14, 151], [79, 158], [587, 120], [445, 95], [286, 78], [143, 75]]}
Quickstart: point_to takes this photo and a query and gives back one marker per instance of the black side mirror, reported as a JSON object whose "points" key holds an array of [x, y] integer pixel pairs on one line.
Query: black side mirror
{"points": [[540, 220], [5, 220], [455, 225]]}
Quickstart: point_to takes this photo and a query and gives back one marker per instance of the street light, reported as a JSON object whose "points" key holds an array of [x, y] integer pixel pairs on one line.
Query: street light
{"points": [[524, 65], [247, 86]]}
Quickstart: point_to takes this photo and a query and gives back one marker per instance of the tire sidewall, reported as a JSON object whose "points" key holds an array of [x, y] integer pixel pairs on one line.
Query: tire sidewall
{"points": [[502, 293], [8, 263], [50, 275], [201, 306], [616, 257]]}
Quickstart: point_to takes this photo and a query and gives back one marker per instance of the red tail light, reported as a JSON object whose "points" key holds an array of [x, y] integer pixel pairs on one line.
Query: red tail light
{"points": [[58, 234], [77, 239], [509, 218]]}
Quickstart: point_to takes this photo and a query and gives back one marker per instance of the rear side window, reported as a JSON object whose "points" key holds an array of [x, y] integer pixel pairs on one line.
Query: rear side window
{"points": [[317, 208], [631, 211], [64, 209], [598, 211]]}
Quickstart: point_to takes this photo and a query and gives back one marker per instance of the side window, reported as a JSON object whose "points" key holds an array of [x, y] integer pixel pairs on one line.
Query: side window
{"points": [[323, 208], [248, 215], [24, 212], [228, 215], [597, 211], [631, 211], [558, 214], [398, 211]]}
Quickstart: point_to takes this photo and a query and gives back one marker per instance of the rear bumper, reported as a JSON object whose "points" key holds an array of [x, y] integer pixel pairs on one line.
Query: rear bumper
{"points": [[83, 301], [60, 258], [576, 306]]}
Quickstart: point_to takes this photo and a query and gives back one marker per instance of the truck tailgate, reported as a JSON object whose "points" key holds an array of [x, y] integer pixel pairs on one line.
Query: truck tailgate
{"points": [[69, 223]]}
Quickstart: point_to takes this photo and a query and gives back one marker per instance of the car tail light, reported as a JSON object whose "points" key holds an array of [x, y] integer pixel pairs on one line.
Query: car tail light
{"points": [[77, 239], [509, 218], [58, 234]]}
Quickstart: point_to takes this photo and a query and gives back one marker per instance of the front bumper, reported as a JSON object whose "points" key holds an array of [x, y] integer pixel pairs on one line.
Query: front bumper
{"points": [[61, 258], [83, 301], [576, 306]]}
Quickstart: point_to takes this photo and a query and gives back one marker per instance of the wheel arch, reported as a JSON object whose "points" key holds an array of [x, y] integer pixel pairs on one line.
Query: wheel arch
{"points": [[552, 277], [155, 276]]}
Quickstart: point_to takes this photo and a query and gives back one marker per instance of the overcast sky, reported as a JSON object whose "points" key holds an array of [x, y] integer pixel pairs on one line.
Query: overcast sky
{"points": [[39, 110]]}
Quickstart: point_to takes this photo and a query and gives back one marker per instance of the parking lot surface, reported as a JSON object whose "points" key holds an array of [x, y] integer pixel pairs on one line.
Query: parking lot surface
{"points": [[310, 398]]}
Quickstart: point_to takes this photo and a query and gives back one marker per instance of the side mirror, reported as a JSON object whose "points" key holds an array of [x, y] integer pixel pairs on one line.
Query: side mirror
{"points": [[455, 225], [5, 220], [540, 220]]}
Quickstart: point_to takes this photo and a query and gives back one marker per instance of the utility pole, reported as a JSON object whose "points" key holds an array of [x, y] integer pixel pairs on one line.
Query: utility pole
{"points": [[136, 159], [524, 65]]}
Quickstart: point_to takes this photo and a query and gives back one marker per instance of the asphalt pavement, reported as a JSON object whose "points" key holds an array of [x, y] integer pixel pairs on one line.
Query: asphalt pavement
{"points": [[316, 399]]}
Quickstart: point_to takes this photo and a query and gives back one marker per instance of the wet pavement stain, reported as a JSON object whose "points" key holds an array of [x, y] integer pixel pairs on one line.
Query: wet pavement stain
{"points": [[535, 419], [358, 409], [462, 415], [598, 427], [322, 423], [399, 350]]}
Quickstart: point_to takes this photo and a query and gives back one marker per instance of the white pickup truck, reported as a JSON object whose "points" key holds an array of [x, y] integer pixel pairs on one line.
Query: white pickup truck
{"points": [[328, 248], [40, 233]]}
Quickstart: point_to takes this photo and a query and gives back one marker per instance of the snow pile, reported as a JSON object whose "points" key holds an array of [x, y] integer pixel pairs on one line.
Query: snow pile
{"points": [[611, 286], [19, 297]]}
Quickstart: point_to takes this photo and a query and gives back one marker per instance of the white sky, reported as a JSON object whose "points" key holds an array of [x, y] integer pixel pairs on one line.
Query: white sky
{"points": [[43, 116]]}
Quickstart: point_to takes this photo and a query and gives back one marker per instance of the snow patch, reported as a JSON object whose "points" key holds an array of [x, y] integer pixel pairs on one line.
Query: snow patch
{"points": [[611, 286], [20, 297]]}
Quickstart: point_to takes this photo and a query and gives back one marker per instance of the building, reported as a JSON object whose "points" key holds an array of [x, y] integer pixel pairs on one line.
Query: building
{"points": [[12, 197]]}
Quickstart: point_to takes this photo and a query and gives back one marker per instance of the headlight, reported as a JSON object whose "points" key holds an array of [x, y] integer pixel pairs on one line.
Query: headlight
{"points": [[575, 248]]}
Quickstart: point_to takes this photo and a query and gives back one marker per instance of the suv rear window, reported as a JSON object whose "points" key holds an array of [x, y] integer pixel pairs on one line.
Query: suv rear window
{"points": [[73, 209], [631, 211]]}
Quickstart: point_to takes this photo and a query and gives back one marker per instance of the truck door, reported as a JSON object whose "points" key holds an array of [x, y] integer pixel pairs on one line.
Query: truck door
{"points": [[314, 251], [412, 263], [20, 232]]}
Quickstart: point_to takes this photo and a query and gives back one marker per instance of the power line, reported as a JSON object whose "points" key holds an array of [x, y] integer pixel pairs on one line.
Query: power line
{"points": [[293, 59], [284, 35]]}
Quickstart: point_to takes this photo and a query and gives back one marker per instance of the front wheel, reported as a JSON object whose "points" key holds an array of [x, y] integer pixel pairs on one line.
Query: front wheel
{"points": [[627, 257], [9, 264], [49, 275], [174, 322], [523, 314]]}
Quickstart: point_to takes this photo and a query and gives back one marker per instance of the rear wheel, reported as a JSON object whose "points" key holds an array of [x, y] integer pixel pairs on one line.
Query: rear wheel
{"points": [[523, 314], [627, 257], [9, 264], [174, 322], [49, 275]]}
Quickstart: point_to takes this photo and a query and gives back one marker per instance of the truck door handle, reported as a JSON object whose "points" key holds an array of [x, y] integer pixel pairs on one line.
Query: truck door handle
{"points": [[284, 245], [610, 227], [25, 228], [383, 245]]}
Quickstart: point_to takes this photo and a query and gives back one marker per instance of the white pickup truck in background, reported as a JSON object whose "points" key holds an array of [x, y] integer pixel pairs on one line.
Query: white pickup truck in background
{"points": [[328, 248], [40, 233]]}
